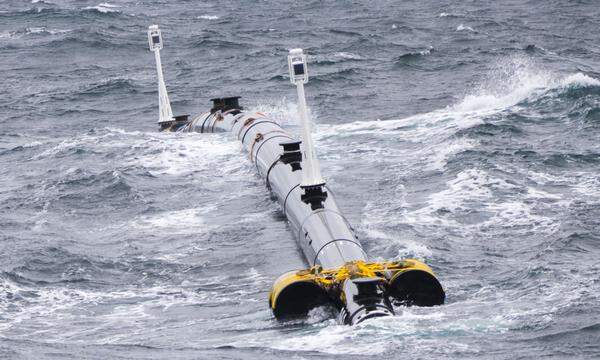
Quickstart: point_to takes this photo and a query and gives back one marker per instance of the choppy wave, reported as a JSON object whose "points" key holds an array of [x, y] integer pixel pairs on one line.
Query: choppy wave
{"points": [[103, 8]]}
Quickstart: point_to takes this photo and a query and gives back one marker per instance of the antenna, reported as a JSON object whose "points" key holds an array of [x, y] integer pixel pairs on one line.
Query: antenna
{"points": [[312, 181], [155, 42]]}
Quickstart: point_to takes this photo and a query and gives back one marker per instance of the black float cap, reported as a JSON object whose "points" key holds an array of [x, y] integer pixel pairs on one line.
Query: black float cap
{"points": [[297, 299], [226, 103], [182, 118], [416, 287]]}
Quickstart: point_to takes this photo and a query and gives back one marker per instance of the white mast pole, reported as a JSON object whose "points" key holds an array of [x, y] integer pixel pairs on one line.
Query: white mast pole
{"points": [[164, 105], [311, 172]]}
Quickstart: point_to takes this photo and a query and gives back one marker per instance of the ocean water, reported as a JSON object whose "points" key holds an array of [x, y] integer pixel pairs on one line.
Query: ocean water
{"points": [[463, 133]]}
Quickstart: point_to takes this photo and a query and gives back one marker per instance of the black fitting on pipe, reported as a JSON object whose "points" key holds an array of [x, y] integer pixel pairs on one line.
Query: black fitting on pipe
{"points": [[291, 154], [225, 104], [315, 195]]}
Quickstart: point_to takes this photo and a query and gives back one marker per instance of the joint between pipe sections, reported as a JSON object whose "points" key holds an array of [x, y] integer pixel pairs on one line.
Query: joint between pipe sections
{"points": [[235, 120], [254, 124], [286, 199], [334, 241], [247, 122], [192, 123], [204, 122], [217, 117], [269, 172], [322, 210]]}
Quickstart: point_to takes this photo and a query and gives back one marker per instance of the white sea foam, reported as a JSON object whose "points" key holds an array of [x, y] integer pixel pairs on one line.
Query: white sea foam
{"points": [[514, 80], [181, 154], [180, 221], [44, 30], [516, 213], [208, 17], [284, 112], [402, 333], [462, 27], [426, 51], [579, 80], [104, 8], [347, 55], [7, 34]]}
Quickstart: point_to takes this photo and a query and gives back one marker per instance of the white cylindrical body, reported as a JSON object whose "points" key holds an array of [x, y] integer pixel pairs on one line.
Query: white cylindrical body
{"points": [[324, 235]]}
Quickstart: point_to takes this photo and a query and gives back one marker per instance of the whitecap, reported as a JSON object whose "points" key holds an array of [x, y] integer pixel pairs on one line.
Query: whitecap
{"points": [[347, 55], [426, 51], [44, 30], [462, 27], [208, 17], [103, 8], [579, 80]]}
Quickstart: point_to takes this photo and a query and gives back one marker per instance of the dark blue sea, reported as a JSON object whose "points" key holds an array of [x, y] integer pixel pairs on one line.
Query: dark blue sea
{"points": [[462, 133]]}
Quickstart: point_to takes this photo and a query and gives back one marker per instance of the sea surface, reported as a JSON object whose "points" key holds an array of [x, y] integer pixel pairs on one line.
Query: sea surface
{"points": [[462, 133]]}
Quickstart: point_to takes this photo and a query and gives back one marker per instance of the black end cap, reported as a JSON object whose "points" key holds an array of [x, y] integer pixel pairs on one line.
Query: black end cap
{"points": [[297, 299], [418, 288]]}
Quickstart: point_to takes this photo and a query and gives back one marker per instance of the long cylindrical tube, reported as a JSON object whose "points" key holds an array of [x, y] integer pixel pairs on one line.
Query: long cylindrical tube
{"points": [[324, 235], [338, 270]]}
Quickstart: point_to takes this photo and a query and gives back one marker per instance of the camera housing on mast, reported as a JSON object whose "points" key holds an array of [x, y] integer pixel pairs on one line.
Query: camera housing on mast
{"points": [[155, 40], [297, 66]]}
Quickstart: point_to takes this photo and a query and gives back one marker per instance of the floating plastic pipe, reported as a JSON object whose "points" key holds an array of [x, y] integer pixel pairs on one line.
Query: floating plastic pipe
{"points": [[339, 273]]}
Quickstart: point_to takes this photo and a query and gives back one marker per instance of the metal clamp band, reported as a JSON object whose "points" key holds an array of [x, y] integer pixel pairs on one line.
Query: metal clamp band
{"points": [[235, 120], [256, 123], [333, 241], [269, 172], [204, 122], [247, 122], [286, 198], [218, 117]]}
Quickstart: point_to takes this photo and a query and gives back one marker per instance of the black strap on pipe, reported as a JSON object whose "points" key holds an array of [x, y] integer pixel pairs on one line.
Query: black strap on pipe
{"points": [[269, 172], [204, 122], [286, 197]]}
